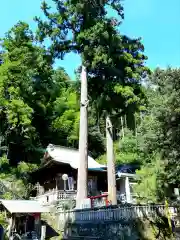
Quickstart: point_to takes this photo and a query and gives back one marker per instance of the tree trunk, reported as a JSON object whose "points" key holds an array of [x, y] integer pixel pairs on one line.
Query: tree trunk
{"points": [[122, 127], [83, 142], [110, 163]]}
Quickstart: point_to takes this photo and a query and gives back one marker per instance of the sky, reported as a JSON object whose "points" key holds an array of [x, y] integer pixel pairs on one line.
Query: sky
{"points": [[157, 22]]}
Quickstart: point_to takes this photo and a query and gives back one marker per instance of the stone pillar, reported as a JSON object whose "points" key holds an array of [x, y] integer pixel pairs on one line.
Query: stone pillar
{"points": [[127, 190], [43, 232]]}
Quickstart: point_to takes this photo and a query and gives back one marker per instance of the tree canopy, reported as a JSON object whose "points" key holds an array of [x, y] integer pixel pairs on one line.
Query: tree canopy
{"points": [[115, 63]]}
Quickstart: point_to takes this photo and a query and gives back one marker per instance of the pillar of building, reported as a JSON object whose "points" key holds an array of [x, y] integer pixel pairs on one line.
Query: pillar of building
{"points": [[127, 190]]}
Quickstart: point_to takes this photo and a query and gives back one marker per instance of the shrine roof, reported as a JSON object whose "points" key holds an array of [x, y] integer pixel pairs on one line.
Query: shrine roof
{"points": [[23, 206], [70, 156]]}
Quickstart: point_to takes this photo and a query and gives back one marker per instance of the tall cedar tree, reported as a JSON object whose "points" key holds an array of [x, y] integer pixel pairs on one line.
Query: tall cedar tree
{"points": [[115, 63]]}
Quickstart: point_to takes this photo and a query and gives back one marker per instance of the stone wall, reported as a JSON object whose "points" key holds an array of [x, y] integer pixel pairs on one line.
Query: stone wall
{"points": [[131, 223], [141, 229], [102, 230]]}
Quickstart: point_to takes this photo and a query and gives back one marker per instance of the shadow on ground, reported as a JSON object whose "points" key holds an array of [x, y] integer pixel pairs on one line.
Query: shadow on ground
{"points": [[154, 228], [50, 232]]}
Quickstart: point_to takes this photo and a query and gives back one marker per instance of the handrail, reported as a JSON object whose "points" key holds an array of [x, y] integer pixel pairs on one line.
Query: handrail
{"points": [[113, 214]]}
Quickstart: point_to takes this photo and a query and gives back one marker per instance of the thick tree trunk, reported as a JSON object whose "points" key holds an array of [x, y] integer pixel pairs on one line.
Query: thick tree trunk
{"points": [[83, 142], [110, 163]]}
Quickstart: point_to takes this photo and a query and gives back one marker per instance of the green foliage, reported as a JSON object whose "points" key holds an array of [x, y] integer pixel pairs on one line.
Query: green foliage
{"points": [[167, 87], [8, 196], [14, 182], [150, 185], [67, 116], [151, 229], [115, 63], [4, 163], [126, 150], [3, 220], [22, 63], [155, 144], [40, 105], [15, 187], [158, 127], [23, 167]]}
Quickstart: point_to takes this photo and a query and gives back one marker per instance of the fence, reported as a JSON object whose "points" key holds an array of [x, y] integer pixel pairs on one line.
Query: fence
{"points": [[112, 214], [51, 197]]}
